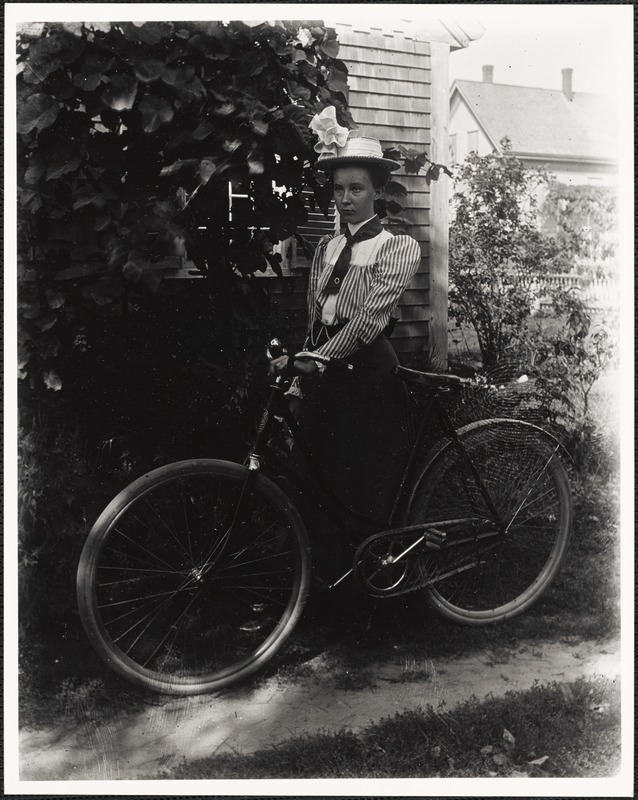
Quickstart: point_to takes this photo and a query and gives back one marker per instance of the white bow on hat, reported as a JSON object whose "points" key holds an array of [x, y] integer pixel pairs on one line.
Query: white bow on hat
{"points": [[331, 134], [338, 145]]}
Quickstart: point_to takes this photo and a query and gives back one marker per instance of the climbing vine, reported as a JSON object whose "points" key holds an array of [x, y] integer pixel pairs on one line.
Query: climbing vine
{"points": [[129, 136]]}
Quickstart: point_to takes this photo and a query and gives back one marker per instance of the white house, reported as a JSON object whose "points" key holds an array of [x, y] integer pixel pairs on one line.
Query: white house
{"points": [[572, 134]]}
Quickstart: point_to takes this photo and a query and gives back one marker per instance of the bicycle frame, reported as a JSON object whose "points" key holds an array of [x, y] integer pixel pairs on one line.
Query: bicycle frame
{"points": [[196, 573], [430, 532]]}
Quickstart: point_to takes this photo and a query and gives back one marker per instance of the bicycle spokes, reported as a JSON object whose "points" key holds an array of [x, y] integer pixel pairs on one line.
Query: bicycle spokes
{"points": [[480, 578], [180, 592]]}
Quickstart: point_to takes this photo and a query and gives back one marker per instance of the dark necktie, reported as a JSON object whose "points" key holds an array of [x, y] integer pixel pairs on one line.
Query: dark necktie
{"points": [[367, 231]]}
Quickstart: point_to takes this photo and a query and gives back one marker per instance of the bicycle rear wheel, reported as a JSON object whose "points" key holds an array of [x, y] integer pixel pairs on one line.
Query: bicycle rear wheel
{"points": [[175, 602], [479, 576]]}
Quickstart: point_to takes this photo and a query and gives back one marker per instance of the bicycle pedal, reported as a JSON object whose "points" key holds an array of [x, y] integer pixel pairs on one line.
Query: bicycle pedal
{"points": [[435, 540]]}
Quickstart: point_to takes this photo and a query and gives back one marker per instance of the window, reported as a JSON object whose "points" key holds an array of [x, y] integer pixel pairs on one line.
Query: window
{"points": [[291, 251], [315, 228], [453, 148], [293, 254], [472, 141]]}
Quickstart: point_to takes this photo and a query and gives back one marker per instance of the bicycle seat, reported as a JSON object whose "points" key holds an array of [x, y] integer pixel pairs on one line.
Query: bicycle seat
{"points": [[432, 379]]}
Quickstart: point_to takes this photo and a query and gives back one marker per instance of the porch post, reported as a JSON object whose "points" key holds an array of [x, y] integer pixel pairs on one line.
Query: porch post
{"points": [[439, 208]]}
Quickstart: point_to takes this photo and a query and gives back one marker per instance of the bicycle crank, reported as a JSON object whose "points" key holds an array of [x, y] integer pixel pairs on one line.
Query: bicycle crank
{"points": [[406, 559]]}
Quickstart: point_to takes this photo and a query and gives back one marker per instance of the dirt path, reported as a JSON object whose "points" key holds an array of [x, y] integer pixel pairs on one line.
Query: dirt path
{"points": [[141, 744]]}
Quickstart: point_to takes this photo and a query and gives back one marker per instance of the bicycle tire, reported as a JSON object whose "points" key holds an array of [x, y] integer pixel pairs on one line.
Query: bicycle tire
{"points": [[171, 603], [494, 578]]}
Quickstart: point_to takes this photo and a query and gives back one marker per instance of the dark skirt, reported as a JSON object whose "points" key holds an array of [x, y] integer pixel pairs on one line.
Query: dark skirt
{"points": [[357, 427]]}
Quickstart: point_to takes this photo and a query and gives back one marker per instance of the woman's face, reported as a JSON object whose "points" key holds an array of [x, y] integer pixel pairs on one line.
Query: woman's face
{"points": [[354, 194]]}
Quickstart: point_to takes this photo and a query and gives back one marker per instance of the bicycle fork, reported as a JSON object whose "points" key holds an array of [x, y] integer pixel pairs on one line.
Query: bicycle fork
{"points": [[233, 533]]}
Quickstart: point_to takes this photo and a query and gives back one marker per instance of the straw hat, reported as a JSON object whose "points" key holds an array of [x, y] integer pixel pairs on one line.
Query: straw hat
{"points": [[338, 146], [359, 150]]}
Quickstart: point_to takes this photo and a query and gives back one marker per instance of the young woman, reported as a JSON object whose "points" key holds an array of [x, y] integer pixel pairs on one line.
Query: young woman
{"points": [[356, 424]]}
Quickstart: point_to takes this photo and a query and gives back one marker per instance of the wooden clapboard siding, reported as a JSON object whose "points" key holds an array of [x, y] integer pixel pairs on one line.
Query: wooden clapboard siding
{"points": [[391, 134], [412, 313], [384, 91], [368, 115], [415, 294], [391, 101], [384, 75], [317, 227], [288, 294], [415, 297], [375, 55], [384, 39], [411, 342]]}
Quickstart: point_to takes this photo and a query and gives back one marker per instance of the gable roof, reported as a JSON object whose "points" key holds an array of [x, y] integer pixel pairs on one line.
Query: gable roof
{"points": [[543, 122]]}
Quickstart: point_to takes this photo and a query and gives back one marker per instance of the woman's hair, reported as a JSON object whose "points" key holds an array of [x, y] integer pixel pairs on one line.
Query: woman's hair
{"points": [[378, 176]]}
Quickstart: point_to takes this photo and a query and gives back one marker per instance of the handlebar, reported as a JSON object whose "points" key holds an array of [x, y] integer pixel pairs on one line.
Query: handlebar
{"points": [[275, 349], [329, 361]]}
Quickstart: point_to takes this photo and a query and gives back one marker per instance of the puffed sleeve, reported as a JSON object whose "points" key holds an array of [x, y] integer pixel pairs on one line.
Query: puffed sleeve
{"points": [[397, 261]]}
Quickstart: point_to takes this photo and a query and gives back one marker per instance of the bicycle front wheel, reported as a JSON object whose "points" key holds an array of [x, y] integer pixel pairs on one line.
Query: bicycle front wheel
{"points": [[482, 575], [182, 589]]}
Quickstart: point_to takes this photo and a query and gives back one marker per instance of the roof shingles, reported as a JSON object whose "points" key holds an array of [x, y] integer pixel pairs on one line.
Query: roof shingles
{"points": [[544, 122]]}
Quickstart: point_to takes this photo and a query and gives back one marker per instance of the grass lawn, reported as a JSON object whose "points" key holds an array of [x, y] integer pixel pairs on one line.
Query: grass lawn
{"points": [[567, 730]]}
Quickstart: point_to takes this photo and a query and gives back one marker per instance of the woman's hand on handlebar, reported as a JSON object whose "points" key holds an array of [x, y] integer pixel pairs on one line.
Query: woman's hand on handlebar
{"points": [[283, 366]]}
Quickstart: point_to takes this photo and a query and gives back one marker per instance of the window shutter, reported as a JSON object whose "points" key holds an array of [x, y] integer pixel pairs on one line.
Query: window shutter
{"points": [[317, 227]]}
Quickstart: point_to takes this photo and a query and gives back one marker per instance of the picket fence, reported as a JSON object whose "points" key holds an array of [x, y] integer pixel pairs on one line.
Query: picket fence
{"points": [[597, 294]]}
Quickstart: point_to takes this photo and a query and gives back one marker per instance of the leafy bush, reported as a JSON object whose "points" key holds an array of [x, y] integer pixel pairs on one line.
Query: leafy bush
{"points": [[496, 249], [566, 361], [498, 258], [139, 392], [586, 222], [569, 361], [128, 137]]}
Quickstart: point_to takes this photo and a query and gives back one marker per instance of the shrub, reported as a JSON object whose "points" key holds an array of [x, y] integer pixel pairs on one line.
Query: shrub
{"points": [[566, 361], [496, 249], [586, 222], [128, 138], [139, 392]]}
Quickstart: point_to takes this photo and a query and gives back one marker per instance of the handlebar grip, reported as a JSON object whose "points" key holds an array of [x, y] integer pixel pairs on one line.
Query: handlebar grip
{"points": [[340, 365], [329, 361]]}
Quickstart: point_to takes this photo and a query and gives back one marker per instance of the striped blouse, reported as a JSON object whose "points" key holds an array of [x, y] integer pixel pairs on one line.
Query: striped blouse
{"points": [[380, 271]]}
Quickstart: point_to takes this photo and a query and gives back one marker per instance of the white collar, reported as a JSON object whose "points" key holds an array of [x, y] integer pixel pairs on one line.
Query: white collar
{"points": [[354, 228]]}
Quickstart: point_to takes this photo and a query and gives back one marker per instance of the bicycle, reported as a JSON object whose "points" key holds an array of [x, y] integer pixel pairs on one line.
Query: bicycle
{"points": [[195, 575]]}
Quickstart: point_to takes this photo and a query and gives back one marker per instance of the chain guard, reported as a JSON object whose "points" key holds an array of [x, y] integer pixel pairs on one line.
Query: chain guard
{"points": [[394, 563]]}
